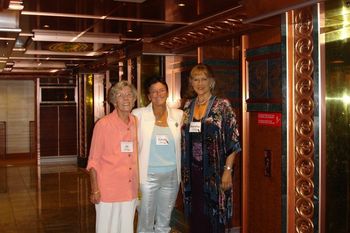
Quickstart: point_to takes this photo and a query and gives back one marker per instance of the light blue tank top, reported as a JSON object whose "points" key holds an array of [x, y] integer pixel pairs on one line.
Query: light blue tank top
{"points": [[162, 152]]}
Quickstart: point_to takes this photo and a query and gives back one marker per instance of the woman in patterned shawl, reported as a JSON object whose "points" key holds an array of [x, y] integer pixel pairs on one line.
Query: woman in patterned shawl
{"points": [[210, 144]]}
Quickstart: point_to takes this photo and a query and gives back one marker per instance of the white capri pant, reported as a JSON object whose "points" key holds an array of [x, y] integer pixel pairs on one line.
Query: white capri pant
{"points": [[115, 217], [159, 194]]}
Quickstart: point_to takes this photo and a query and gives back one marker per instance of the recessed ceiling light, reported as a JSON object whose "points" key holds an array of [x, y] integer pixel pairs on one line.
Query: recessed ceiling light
{"points": [[19, 49], [136, 1], [337, 62], [181, 4], [7, 38]]}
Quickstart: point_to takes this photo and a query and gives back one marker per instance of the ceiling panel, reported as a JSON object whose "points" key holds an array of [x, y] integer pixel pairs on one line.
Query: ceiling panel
{"points": [[98, 26]]}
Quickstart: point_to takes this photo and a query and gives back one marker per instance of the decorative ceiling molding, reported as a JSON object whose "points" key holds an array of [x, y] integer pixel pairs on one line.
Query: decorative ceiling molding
{"points": [[218, 26]]}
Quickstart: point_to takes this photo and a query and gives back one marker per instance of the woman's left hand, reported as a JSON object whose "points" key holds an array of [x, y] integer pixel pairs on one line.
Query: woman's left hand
{"points": [[226, 180]]}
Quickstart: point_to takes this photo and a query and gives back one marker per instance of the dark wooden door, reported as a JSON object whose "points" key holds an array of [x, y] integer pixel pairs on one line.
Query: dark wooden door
{"points": [[58, 130], [48, 130], [67, 130]]}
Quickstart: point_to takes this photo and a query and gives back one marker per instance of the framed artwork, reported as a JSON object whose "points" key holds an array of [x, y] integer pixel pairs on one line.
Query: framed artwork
{"points": [[264, 75], [258, 79]]}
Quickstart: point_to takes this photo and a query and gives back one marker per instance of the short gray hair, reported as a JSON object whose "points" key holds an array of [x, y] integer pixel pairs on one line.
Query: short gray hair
{"points": [[116, 88]]}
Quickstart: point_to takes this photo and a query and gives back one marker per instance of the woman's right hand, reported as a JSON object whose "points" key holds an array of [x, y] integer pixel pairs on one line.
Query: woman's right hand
{"points": [[95, 197]]}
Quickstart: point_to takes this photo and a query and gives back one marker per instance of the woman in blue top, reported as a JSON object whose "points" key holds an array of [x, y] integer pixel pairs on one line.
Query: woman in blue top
{"points": [[209, 146], [159, 135]]}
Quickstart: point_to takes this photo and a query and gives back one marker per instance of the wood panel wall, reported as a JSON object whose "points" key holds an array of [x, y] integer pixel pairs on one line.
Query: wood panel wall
{"points": [[264, 198]]}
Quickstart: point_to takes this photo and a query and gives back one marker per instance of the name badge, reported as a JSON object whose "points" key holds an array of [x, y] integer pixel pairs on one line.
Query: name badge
{"points": [[195, 127], [162, 140], [127, 147]]}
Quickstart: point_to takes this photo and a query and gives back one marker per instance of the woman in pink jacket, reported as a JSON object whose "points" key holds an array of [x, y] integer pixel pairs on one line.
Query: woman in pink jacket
{"points": [[113, 164]]}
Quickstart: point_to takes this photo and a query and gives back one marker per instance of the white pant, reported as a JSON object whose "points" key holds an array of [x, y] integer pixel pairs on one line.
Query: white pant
{"points": [[115, 217], [159, 194]]}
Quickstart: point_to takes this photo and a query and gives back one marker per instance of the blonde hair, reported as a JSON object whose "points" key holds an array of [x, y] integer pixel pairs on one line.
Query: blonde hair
{"points": [[203, 70]]}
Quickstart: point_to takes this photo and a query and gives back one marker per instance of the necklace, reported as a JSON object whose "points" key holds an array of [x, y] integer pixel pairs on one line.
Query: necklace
{"points": [[159, 117], [198, 102], [159, 121]]}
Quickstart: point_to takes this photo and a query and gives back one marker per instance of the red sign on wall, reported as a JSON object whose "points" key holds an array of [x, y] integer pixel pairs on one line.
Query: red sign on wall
{"points": [[270, 119]]}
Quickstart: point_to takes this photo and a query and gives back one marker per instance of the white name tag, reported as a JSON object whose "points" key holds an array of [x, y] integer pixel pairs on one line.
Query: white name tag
{"points": [[162, 140], [195, 127], [127, 147]]}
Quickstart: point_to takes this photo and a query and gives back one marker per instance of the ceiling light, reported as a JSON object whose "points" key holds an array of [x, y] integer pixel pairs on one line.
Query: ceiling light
{"points": [[337, 62], [7, 38], [16, 5], [181, 4], [26, 64], [48, 52], [136, 1], [31, 70], [19, 49], [130, 39], [71, 36], [26, 34], [70, 65], [51, 59], [10, 30]]}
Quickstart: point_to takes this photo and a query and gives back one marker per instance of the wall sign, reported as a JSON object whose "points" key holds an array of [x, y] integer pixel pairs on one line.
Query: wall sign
{"points": [[270, 119]]}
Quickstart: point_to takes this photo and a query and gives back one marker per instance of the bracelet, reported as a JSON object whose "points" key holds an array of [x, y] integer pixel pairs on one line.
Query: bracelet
{"points": [[228, 168], [96, 192]]}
